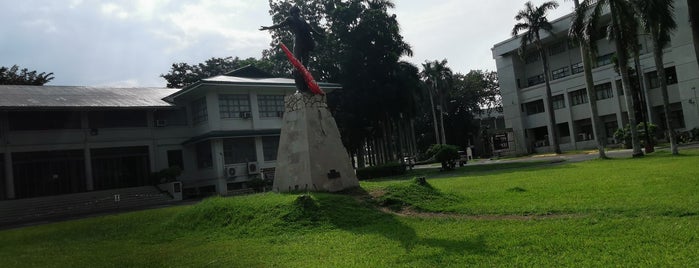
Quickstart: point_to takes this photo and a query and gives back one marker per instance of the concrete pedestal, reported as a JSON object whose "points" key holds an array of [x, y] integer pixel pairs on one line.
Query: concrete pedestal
{"points": [[311, 156]]}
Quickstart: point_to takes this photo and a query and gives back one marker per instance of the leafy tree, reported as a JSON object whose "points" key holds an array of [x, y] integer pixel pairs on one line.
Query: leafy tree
{"points": [[584, 32], [361, 50], [533, 20], [622, 31], [16, 76], [183, 74], [658, 20]]}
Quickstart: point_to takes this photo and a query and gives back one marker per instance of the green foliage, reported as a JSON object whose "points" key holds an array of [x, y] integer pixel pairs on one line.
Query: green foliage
{"points": [[16, 76], [183, 74], [623, 135], [385, 170], [445, 154], [166, 175]]}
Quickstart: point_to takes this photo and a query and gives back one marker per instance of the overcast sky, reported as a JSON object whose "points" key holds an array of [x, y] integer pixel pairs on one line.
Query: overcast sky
{"points": [[130, 43]]}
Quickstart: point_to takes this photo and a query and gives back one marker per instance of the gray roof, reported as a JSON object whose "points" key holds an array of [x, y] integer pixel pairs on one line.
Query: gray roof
{"points": [[15, 96]]}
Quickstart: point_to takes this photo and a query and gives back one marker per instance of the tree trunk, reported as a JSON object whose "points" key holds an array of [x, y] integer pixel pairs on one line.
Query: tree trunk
{"points": [[553, 127], [658, 57], [441, 124], [693, 7], [642, 101], [625, 81], [434, 117]]}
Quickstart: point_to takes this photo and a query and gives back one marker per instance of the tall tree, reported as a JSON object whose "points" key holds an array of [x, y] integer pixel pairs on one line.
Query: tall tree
{"points": [[584, 32], [622, 17], [438, 76], [182, 74], [361, 50], [693, 7], [16, 76], [533, 20], [658, 20]]}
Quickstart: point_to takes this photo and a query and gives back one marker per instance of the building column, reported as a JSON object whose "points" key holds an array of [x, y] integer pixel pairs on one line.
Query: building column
{"points": [[9, 176], [259, 151], [89, 181], [218, 163]]}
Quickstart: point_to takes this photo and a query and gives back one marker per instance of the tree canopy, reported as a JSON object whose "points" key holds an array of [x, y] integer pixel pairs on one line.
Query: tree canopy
{"points": [[16, 76], [182, 74]]}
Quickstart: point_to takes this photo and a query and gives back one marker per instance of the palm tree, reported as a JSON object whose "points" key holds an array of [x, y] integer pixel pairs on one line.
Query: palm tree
{"points": [[658, 20], [533, 22], [622, 18], [438, 78], [584, 32], [693, 7]]}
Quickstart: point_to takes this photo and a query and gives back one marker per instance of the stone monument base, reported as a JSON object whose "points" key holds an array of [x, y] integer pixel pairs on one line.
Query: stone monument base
{"points": [[311, 156]]}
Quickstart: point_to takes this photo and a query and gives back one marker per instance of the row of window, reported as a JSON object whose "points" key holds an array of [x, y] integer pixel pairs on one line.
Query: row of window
{"points": [[237, 150], [577, 97], [238, 106]]}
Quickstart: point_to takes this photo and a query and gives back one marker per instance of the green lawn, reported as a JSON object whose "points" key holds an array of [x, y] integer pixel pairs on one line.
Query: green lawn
{"points": [[621, 212]]}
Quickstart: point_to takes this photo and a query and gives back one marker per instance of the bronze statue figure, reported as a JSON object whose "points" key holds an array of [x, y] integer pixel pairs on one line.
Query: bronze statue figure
{"points": [[303, 39]]}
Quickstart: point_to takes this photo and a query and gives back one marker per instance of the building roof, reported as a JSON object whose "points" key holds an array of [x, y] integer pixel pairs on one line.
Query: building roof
{"points": [[19, 96], [246, 77]]}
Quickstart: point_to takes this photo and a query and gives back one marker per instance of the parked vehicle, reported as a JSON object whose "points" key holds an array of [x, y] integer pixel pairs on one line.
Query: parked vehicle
{"points": [[463, 158]]}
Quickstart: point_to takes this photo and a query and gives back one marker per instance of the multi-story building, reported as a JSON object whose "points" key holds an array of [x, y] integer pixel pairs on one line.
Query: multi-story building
{"points": [[220, 131], [523, 91]]}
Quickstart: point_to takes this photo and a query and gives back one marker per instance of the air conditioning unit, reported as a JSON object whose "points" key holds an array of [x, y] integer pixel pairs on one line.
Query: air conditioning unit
{"points": [[160, 123], [280, 114], [253, 168], [229, 172], [245, 115]]}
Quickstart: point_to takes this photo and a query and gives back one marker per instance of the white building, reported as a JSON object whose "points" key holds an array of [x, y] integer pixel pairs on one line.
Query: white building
{"points": [[523, 92], [221, 131]]}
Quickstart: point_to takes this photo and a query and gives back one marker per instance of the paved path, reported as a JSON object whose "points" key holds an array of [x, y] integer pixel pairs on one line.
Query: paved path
{"points": [[623, 153]]}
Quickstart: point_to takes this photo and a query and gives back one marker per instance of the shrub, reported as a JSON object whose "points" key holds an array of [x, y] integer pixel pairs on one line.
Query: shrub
{"points": [[385, 170], [166, 175], [447, 155], [623, 135]]}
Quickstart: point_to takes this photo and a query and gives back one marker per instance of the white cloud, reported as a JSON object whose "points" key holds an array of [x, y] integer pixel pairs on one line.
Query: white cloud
{"points": [[112, 9]]}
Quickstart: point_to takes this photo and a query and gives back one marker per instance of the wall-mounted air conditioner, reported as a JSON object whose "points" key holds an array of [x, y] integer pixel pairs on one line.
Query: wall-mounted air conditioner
{"points": [[253, 168], [229, 172]]}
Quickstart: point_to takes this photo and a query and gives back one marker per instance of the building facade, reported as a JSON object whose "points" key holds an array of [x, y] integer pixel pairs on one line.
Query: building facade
{"points": [[221, 131], [523, 91]]}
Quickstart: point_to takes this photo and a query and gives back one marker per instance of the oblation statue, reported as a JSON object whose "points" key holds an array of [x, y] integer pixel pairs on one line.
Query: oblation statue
{"points": [[303, 40]]}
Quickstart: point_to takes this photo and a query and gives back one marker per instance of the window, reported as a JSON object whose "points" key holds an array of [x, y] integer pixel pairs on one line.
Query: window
{"points": [[605, 59], [577, 68], [204, 158], [117, 119], [534, 107], [174, 159], [175, 117], [604, 91], [670, 75], [199, 112], [44, 120], [559, 73], [233, 106], [531, 57], [535, 80], [558, 102], [557, 48], [578, 97], [270, 105], [239, 150], [270, 145]]}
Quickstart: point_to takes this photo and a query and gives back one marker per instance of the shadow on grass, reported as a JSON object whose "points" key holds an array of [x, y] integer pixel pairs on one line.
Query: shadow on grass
{"points": [[349, 214]]}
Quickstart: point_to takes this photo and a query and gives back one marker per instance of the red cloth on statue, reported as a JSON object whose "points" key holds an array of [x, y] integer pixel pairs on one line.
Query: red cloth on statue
{"points": [[310, 82]]}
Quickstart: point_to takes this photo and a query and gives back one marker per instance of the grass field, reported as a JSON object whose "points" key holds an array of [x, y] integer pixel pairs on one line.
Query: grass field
{"points": [[619, 212]]}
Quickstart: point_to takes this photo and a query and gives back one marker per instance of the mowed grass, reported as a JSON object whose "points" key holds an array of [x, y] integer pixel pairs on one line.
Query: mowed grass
{"points": [[619, 212]]}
